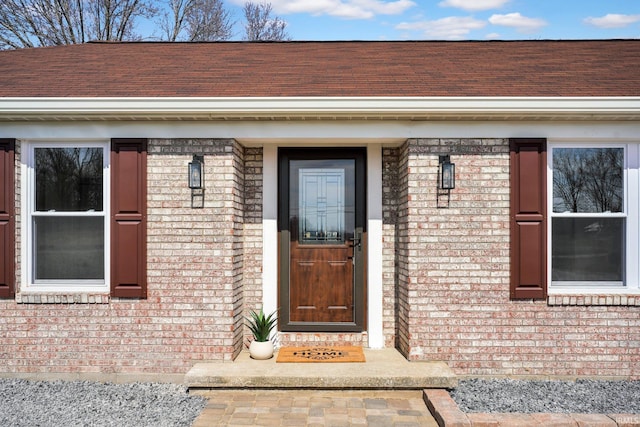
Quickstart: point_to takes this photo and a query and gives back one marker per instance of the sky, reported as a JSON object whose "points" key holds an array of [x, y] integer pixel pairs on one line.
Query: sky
{"points": [[456, 19]]}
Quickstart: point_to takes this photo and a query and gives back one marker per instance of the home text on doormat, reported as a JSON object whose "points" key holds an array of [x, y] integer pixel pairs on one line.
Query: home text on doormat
{"points": [[341, 354]]}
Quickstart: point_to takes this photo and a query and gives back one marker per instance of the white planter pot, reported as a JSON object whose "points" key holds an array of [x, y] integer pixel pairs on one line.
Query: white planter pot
{"points": [[261, 350]]}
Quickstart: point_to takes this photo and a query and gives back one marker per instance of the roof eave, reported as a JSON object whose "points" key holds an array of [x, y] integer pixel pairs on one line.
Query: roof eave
{"points": [[321, 108]]}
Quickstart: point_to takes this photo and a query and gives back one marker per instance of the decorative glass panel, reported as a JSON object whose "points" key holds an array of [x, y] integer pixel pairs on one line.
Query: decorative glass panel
{"points": [[588, 249], [321, 205], [588, 180], [68, 248], [320, 211], [69, 179]]}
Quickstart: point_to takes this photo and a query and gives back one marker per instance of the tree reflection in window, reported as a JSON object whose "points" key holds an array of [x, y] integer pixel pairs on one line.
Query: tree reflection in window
{"points": [[588, 222], [588, 180], [68, 222], [69, 179]]}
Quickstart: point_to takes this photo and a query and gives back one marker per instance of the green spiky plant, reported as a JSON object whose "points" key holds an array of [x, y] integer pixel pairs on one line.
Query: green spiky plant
{"points": [[261, 325]]}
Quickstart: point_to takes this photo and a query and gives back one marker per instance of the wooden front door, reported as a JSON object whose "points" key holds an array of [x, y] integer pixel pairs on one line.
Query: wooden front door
{"points": [[322, 236]]}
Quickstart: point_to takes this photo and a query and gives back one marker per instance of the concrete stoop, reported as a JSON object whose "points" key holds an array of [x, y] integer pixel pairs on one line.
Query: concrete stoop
{"points": [[383, 369]]}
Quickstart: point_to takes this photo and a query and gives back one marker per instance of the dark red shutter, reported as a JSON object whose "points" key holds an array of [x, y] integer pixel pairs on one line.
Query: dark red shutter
{"points": [[129, 218], [7, 218], [528, 218]]}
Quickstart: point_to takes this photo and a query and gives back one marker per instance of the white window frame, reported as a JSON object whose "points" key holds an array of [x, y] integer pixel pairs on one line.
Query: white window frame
{"points": [[27, 168], [631, 213]]}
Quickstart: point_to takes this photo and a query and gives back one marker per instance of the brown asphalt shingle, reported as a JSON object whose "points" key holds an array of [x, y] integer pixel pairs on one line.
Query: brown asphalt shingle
{"points": [[411, 68]]}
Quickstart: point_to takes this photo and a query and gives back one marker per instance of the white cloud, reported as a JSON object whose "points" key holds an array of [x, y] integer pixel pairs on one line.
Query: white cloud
{"points": [[348, 9], [471, 5], [451, 28], [612, 20], [520, 23], [493, 36]]}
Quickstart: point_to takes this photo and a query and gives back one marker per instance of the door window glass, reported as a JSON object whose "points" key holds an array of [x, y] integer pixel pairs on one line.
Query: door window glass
{"points": [[321, 204]]}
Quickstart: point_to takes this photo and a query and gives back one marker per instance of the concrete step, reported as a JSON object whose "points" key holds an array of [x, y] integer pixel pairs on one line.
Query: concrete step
{"points": [[383, 369]]}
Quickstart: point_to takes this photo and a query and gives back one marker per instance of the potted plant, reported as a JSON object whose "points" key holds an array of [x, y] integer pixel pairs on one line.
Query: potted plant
{"points": [[261, 326]]}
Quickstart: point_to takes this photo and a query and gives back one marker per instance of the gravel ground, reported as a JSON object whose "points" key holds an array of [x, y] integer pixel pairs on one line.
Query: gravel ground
{"points": [[84, 403], [582, 396]]}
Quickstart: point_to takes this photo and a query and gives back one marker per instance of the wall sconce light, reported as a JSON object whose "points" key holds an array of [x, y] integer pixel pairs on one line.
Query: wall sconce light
{"points": [[195, 172], [447, 174]]}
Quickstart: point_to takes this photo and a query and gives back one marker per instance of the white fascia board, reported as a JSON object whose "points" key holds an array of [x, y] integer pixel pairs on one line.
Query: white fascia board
{"points": [[318, 107]]}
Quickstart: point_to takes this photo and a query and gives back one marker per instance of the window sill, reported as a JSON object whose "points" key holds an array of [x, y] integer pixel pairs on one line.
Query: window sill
{"points": [[57, 298], [626, 300]]}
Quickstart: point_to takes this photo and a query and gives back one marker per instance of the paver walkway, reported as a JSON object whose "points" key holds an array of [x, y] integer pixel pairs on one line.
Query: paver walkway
{"points": [[334, 408], [444, 409]]}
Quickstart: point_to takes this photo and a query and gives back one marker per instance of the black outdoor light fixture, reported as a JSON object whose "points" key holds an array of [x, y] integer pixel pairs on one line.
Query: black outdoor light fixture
{"points": [[195, 172], [447, 177]]}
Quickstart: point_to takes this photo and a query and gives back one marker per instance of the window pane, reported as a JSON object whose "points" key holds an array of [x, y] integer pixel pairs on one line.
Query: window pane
{"points": [[69, 248], [588, 179], [68, 179], [588, 249], [322, 200]]}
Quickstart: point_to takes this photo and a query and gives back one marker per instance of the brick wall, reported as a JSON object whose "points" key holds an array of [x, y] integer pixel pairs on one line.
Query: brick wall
{"points": [[402, 262], [445, 278], [194, 255], [252, 277], [358, 339], [391, 196], [195, 276], [238, 207], [456, 302]]}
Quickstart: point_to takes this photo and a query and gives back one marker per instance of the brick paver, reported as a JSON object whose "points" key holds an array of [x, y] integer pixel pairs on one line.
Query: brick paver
{"points": [[334, 408], [374, 408], [447, 413]]}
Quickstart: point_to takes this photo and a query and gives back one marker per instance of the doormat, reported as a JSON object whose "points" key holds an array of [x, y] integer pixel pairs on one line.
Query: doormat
{"points": [[320, 354]]}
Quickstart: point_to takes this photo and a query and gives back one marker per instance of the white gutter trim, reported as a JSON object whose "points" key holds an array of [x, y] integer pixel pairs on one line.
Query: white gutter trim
{"points": [[337, 107]]}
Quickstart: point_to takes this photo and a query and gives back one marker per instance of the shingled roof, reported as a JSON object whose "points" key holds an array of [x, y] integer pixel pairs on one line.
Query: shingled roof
{"points": [[331, 69]]}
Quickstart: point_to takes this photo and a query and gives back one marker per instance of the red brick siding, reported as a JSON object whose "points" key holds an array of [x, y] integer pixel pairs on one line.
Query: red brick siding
{"points": [[195, 259], [446, 278], [402, 262], [252, 271], [323, 338], [390, 201], [238, 247], [458, 285]]}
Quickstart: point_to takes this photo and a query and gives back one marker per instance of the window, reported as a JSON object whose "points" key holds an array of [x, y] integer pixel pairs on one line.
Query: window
{"points": [[593, 217], [323, 213], [66, 201]]}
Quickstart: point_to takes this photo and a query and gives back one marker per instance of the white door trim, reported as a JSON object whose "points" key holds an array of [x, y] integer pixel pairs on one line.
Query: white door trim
{"points": [[270, 228], [374, 224], [374, 245]]}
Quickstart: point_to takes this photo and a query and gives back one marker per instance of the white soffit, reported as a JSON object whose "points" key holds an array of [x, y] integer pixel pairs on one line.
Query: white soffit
{"points": [[322, 108]]}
